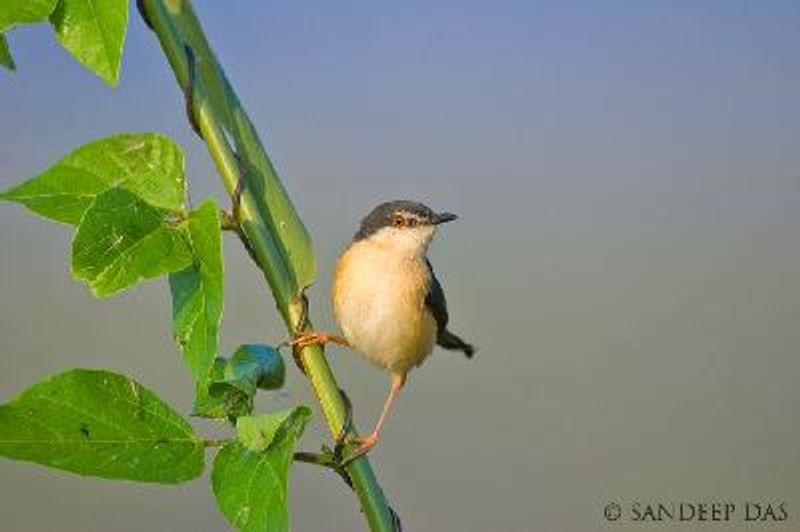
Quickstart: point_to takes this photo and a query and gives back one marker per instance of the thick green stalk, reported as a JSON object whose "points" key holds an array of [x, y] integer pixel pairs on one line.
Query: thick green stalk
{"points": [[271, 229]]}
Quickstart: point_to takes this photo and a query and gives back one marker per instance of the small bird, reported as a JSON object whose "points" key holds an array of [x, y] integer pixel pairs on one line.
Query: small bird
{"points": [[386, 298]]}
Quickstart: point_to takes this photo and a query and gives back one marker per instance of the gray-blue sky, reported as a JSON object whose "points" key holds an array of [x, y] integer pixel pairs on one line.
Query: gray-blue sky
{"points": [[628, 180]]}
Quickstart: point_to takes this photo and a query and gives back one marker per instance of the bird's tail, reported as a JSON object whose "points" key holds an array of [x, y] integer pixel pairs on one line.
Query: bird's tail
{"points": [[452, 342]]}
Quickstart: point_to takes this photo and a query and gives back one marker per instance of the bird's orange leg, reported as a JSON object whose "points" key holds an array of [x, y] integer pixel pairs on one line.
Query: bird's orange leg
{"points": [[398, 380], [317, 338]]}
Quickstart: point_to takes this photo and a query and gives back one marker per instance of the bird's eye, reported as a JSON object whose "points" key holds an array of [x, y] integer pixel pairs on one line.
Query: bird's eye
{"points": [[398, 221]]}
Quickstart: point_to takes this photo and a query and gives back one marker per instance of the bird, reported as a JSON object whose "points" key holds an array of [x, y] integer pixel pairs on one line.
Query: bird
{"points": [[386, 298]]}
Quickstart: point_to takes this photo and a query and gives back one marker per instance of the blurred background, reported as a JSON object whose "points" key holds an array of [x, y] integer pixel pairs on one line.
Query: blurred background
{"points": [[627, 258]]}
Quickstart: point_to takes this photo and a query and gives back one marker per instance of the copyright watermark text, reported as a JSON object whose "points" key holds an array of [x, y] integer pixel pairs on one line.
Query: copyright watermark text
{"points": [[641, 511]]}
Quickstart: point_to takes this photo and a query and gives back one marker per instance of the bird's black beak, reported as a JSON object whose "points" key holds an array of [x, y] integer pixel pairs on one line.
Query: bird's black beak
{"points": [[444, 217]]}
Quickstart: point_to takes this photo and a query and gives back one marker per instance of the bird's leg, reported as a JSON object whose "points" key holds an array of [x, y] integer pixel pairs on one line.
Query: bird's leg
{"points": [[317, 338], [398, 380]]}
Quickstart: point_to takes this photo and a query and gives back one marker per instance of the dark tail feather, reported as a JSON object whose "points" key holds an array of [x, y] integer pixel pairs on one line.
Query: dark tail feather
{"points": [[452, 342]]}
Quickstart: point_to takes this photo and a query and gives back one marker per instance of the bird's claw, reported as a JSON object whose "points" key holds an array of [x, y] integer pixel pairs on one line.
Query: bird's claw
{"points": [[308, 338], [365, 445], [298, 343]]}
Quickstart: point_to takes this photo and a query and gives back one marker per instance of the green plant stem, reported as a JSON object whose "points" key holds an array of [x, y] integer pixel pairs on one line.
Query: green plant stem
{"points": [[177, 28]]}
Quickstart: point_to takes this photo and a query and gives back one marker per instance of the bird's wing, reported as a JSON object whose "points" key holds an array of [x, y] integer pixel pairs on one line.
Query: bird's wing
{"points": [[436, 302]]}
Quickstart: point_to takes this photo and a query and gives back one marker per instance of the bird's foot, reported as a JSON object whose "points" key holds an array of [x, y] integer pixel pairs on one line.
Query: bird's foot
{"points": [[317, 338], [304, 339], [364, 446]]}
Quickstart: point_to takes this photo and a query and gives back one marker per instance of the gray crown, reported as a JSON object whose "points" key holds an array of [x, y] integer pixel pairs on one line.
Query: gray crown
{"points": [[382, 216]]}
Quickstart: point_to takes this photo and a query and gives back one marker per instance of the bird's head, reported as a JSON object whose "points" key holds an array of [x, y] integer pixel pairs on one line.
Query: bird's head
{"points": [[405, 225]]}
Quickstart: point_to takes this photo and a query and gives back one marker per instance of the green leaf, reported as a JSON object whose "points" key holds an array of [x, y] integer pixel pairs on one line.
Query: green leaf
{"points": [[122, 240], [93, 31], [271, 369], [149, 165], [100, 424], [5, 54], [197, 292], [253, 366], [13, 12], [229, 404], [250, 476], [257, 433], [233, 382]]}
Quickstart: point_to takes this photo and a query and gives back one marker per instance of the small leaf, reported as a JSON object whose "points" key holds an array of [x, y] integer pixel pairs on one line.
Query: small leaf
{"points": [[122, 240], [253, 366], [5, 54], [250, 476], [93, 31], [149, 165], [230, 403], [13, 12], [271, 370], [100, 424], [197, 292], [233, 382], [258, 432]]}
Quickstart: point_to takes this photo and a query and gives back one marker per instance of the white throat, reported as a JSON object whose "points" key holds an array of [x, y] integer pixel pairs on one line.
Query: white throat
{"points": [[410, 242]]}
